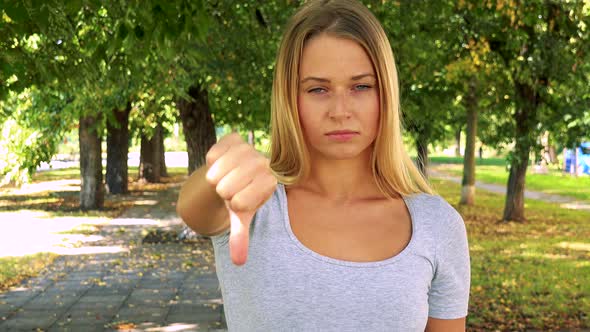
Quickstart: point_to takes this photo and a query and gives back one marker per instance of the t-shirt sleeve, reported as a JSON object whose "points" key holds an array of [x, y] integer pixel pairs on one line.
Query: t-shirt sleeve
{"points": [[448, 297], [222, 239]]}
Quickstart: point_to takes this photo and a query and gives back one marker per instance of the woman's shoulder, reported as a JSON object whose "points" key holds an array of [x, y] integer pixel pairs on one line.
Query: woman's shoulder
{"points": [[434, 210], [274, 203], [429, 200]]}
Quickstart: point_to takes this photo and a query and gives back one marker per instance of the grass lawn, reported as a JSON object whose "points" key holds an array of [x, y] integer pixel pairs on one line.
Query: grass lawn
{"points": [[62, 199], [459, 160], [532, 275], [14, 269], [552, 183], [73, 173], [56, 199]]}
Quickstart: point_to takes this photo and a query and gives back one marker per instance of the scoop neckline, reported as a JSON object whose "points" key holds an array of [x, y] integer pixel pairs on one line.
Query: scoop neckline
{"points": [[407, 249]]}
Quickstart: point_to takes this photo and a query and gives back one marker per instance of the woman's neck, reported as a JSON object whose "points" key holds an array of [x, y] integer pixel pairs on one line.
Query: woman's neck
{"points": [[342, 181]]}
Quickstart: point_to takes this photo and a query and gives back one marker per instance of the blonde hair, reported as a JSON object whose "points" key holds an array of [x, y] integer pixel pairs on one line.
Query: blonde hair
{"points": [[393, 170]]}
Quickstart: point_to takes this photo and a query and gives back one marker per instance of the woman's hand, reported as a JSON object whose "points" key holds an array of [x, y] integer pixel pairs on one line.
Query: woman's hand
{"points": [[243, 179]]}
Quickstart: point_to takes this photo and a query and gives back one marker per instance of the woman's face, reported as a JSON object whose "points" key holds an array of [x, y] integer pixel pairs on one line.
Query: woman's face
{"points": [[337, 91]]}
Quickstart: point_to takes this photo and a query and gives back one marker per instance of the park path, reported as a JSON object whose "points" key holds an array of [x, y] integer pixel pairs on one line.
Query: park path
{"points": [[563, 201], [125, 285]]}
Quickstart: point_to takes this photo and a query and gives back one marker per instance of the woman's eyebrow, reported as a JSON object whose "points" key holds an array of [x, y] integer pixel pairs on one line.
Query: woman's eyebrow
{"points": [[325, 80], [358, 77], [311, 78]]}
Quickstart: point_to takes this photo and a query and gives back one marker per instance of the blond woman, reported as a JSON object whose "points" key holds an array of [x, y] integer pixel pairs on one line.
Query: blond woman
{"points": [[338, 231]]}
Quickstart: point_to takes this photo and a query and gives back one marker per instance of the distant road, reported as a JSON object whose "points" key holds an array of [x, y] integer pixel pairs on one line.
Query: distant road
{"points": [[173, 159]]}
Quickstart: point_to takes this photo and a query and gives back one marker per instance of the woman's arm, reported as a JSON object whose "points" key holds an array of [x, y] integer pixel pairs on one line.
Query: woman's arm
{"points": [[448, 296], [200, 207], [445, 325]]}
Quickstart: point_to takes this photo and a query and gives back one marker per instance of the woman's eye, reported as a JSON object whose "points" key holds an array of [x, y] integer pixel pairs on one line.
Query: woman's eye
{"points": [[363, 87], [317, 90]]}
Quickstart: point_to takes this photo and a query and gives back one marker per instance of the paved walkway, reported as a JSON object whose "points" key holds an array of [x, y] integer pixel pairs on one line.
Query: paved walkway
{"points": [[128, 286], [563, 201]]}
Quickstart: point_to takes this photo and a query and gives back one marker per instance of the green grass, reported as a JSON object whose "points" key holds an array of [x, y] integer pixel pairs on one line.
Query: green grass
{"points": [[84, 229], [65, 202], [15, 269], [530, 275], [554, 182], [61, 204], [73, 173], [459, 160]]}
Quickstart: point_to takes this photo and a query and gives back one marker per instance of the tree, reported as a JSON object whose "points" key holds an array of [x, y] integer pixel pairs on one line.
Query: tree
{"points": [[100, 51], [419, 36], [198, 126], [468, 182], [151, 165], [31, 132], [117, 151], [539, 46], [465, 74], [92, 191]]}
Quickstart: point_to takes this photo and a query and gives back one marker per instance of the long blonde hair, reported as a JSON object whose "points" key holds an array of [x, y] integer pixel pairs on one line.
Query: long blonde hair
{"points": [[393, 170]]}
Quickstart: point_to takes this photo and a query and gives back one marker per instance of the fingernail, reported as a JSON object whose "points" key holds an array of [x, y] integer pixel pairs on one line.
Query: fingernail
{"points": [[210, 174]]}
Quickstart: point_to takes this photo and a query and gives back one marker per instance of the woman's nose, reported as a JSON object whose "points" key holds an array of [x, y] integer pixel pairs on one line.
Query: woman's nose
{"points": [[340, 107]]}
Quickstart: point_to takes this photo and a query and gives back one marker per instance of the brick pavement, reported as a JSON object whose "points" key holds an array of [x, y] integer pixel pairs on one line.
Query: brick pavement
{"points": [[129, 286]]}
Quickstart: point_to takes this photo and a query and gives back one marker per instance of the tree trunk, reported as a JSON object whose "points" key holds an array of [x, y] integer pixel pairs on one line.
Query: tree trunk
{"points": [[198, 126], [117, 152], [92, 190], [146, 169], [150, 159], [468, 183], [163, 169], [552, 155], [458, 142], [565, 170], [422, 149], [199, 132], [251, 137], [525, 119], [575, 162]]}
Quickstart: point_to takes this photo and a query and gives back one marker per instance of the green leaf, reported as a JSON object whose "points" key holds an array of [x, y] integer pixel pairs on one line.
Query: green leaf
{"points": [[42, 19], [139, 32], [123, 31], [16, 11], [73, 6]]}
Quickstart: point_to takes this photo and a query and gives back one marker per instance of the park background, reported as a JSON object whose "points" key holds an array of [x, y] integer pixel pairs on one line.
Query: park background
{"points": [[105, 108]]}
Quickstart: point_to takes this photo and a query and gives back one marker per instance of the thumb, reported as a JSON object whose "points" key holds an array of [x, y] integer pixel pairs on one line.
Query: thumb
{"points": [[239, 236]]}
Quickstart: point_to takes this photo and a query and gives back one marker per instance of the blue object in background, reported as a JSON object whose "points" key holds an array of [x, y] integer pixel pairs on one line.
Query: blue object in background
{"points": [[583, 162]]}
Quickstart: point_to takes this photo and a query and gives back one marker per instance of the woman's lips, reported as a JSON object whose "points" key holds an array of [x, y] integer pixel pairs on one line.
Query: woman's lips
{"points": [[341, 137]]}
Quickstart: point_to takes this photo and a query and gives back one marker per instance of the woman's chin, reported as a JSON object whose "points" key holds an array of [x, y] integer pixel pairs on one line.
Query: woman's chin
{"points": [[341, 155]]}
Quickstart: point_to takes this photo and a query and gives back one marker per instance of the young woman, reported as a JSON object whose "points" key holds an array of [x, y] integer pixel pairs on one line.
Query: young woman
{"points": [[338, 231]]}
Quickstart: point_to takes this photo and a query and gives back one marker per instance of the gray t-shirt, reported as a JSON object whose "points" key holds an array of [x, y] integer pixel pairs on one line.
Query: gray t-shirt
{"points": [[285, 286]]}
